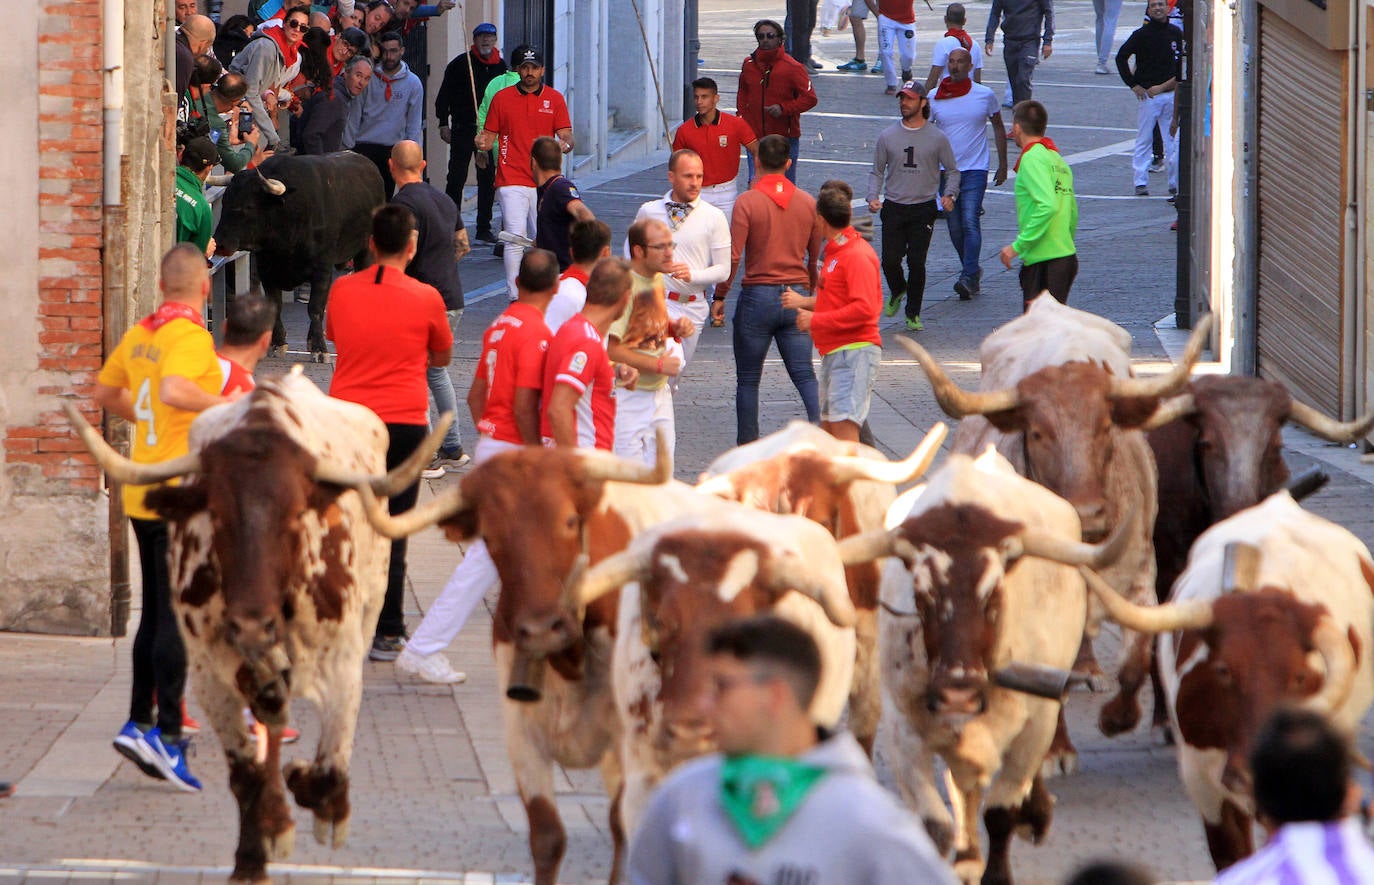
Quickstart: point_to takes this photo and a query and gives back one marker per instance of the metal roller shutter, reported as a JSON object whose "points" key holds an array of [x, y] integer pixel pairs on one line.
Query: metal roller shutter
{"points": [[1301, 211]]}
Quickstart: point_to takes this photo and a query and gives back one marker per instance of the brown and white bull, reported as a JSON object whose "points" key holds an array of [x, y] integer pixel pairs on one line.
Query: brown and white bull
{"points": [[845, 487], [277, 581], [1058, 400], [544, 514], [686, 576], [982, 579], [1289, 622], [1219, 449]]}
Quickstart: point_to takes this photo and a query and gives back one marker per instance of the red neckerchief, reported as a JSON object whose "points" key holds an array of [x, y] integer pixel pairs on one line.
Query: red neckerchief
{"points": [[169, 311], [1045, 140], [388, 81], [962, 36], [777, 188], [289, 53], [576, 273], [951, 88], [495, 50]]}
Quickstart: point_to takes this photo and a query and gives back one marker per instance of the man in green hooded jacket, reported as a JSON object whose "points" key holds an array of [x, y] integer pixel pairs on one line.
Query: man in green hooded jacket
{"points": [[1046, 210]]}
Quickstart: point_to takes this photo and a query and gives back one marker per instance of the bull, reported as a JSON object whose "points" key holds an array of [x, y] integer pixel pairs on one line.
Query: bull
{"points": [[683, 578], [545, 514], [982, 582], [845, 487], [277, 581], [302, 217], [1275, 607], [1059, 402]]}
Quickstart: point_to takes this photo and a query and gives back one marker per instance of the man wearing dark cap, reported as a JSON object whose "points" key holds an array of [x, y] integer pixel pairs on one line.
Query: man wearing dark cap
{"points": [[465, 82], [906, 174], [194, 219], [516, 117]]}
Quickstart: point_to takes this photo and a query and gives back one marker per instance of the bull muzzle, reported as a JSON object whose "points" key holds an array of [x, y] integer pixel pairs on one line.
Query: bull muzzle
{"points": [[547, 635], [268, 685], [958, 693], [526, 683]]}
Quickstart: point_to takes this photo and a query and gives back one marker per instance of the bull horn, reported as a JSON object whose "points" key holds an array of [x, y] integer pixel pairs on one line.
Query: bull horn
{"points": [[1047, 545], [402, 477], [603, 465], [1329, 428], [1331, 642], [866, 547], [271, 185], [122, 469], [611, 573], [956, 401], [1193, 615], [1173, 380], [720, 486], [784, 572], [1171, 410], [848, 468], [405, 524]]}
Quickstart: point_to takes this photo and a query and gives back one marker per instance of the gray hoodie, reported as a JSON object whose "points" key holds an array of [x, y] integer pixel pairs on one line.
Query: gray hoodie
{"points": [[262, 66], [848, 830], [375, 118]]}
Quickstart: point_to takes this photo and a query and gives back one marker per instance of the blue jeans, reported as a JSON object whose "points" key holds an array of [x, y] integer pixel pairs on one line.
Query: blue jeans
{"points": [[795, 152], [965, 230], [759, 320], [441, 388]]}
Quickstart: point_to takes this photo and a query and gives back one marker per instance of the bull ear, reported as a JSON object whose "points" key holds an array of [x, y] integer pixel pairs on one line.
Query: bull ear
{"points": [[1132, 412], [1006, 420], [176, 503]]}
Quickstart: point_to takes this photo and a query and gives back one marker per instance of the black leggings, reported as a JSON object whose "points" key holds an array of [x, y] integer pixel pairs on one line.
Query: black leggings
{"points": [[906, 234], [405, 438], [159, 656]]}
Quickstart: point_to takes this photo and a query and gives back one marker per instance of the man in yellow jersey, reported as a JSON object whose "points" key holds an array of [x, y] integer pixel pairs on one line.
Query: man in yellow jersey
{"points": [[162, 373]]}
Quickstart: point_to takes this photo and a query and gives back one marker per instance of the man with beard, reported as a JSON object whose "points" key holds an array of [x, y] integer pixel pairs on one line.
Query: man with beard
{"points": [[465, 82], [390, 110]]}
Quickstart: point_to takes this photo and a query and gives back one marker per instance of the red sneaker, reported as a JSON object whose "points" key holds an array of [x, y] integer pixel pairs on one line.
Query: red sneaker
{"points": [[189, 725]]}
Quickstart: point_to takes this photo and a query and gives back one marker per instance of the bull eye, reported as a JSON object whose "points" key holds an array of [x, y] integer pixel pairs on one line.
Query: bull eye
{"points": [[1222, 671], [572, 522]]}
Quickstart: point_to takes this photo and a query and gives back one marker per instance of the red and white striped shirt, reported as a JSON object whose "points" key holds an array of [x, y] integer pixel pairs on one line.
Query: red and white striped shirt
{"points": [[577, 358]]}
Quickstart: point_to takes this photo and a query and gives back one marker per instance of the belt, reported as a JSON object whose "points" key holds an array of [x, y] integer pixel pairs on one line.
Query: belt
{"points": [[688, 297]]}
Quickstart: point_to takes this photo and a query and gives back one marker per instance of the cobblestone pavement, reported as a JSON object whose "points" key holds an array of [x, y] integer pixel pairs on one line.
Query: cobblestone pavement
{"points": [[434, 799]]}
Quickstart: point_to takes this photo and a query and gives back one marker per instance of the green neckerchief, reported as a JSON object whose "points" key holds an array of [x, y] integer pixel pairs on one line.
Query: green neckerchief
{"points": [[760, 793]]}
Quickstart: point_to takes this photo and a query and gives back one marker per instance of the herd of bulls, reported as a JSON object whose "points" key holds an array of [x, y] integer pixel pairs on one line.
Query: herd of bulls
{"points": [[953, 612]]}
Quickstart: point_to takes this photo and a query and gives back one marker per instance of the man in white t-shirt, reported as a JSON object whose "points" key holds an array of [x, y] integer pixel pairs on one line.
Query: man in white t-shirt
{"points": [[962, 109], [590, 241], [955, 38], [701, 244]]}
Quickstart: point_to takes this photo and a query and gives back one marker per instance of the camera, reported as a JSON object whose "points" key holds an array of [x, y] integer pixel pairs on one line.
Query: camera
{"points": [[191, 129], [245, 122]]}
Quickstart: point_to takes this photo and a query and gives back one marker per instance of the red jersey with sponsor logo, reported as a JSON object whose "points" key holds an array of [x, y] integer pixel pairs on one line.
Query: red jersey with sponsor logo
{"points": [[900, 11], [518, 118], [513, 351], [577, 358], [718, 144]]}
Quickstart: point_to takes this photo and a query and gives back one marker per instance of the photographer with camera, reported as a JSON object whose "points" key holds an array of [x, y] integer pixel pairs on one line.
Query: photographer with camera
{"points": [[230, 122]]}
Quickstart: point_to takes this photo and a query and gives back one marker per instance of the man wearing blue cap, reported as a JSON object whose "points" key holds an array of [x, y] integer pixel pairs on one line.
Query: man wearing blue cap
{"points": [[465, 82]]}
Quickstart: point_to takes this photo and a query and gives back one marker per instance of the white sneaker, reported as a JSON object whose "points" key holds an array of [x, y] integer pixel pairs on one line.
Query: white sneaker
{"points": [[430, 668]]}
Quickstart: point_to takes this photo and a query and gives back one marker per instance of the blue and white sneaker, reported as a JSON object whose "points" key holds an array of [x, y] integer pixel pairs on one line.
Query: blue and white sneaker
{"points": [[170, 759], [132, 744]]}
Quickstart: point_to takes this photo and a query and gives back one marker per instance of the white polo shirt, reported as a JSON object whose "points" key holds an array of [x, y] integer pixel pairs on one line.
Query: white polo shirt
{"points": [[702, 242], [964, 121]]}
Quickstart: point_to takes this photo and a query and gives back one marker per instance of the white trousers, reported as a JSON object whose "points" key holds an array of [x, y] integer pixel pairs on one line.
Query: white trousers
{"points": [[1159, 109], [698, 311], [893, 35], [519, 212], [638, 414], [475, 575], [722, 196]]}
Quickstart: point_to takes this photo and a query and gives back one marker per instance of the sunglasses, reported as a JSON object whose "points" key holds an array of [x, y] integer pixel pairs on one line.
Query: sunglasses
{"points": [[297, 25], [767, 36]]}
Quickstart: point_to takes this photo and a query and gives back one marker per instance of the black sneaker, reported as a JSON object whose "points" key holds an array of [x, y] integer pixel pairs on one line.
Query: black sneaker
{"points": [[386, 648], [446, 461], [966, 289], [484, 235]]}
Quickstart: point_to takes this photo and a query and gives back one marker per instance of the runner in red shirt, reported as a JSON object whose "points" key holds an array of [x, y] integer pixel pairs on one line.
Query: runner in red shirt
{"points": [[248, 322], [504, 398], [579, 384], [716, 137], [517, 116]]}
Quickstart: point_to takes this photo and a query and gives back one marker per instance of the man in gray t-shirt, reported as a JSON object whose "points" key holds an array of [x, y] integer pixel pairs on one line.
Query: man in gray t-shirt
{"points": [[906, 173]]}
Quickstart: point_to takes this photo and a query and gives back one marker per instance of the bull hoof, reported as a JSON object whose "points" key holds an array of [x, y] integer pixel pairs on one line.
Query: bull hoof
{"points": [[333, 834], [1162, 735], [280, 846], [969, 870], [246, 875], [941, 832], [1118, 716], [277, 350], [1035, 814], [1059, 763]]}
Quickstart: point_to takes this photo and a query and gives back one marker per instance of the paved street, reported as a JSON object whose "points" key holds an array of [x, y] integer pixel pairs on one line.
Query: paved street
{"points": [[433, 794]]}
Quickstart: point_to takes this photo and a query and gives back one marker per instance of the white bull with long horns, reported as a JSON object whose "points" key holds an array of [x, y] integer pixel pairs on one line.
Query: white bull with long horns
{"points": [[1276, 606], [845, 487], [1058, 400]]}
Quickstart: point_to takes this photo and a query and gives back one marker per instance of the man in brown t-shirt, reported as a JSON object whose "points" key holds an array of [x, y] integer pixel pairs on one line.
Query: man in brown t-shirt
{"points": [[774, 228]]}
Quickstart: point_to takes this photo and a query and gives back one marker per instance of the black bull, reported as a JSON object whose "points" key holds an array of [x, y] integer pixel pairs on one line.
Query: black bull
{"points": [[321, 222]]}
